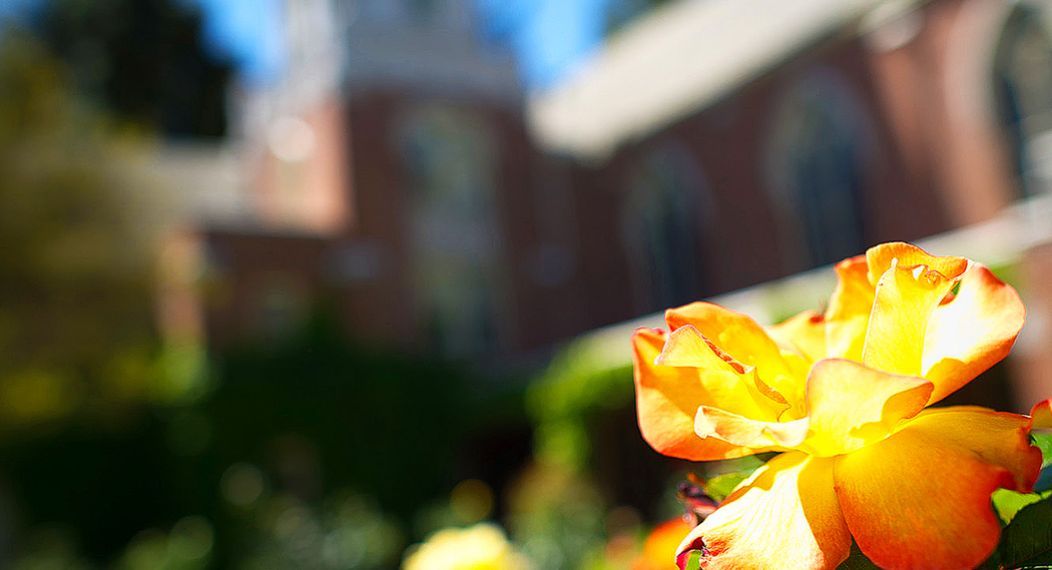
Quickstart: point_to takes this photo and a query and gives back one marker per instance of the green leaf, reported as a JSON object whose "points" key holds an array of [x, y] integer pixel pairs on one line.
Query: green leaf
{"points": [[1027, 541], [857, 561], [731, 473], [1043, 441], [694, 562], [720, 486], [1007, 503]]}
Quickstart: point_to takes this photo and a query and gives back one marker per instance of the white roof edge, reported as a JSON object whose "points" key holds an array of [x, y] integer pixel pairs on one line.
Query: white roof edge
{"points": [[1001, 240], [637, 83]]}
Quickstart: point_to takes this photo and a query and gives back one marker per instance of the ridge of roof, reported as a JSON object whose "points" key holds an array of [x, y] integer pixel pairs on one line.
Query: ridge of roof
{"points": [[676, 61]]}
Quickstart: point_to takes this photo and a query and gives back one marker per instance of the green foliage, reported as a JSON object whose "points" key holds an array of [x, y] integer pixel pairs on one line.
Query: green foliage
{"points": [[585, 378], [142, 60], [694, 561], [340, 405], [268, 461], [558, 516], [857, 561], [118, 453], [722, 477], [344, 531], [720, 486], [1007, 503], [76, 283], [1043, 440], [186, 547], [1027, 541]]}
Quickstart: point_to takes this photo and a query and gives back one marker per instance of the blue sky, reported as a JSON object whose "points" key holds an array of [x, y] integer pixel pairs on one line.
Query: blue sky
{"points": [[18, 10], [548, 37], [247, 32]]}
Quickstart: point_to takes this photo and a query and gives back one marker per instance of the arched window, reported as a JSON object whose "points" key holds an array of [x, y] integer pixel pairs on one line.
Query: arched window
{"points": [[816, 169], [1023, 89], [450, 157], [661, 229]]}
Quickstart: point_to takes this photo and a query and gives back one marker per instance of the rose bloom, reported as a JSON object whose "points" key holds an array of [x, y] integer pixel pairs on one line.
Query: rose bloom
{"points": [[480, 547], [842, 396]]}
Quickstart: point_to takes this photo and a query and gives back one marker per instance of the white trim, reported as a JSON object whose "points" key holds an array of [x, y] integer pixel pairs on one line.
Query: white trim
{"points": [[1000, 241], [676, 61]]}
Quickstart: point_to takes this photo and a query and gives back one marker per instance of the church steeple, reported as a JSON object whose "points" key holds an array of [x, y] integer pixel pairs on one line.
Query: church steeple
{"points": [[426, 45]]}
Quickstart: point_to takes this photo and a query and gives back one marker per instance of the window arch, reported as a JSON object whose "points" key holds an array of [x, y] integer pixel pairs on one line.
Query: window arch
{"points": [[1022, 80], [816, 168], [660, 227], [450, 160]]}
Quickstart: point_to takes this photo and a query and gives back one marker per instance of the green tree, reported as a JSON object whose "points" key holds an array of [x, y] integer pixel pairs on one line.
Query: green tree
{"points": [[76, 328], [142, 60]]}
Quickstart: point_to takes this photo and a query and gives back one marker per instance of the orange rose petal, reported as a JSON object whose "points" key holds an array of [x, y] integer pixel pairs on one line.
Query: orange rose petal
{"points": [[1041, 415], [659, 549], [686, 347], [879, 258], [784, 516], [667, 398], [743, 340], [848, 313], [850, 406], [724, 380], [904, 301], [733, 332], [921, 498], [972, 332], [999, 438], [716, 423]]}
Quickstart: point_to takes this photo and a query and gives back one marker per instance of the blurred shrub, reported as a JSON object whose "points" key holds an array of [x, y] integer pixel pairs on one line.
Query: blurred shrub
{"points": [[557, 515], [76, 316], [588, 377], [470, 502], [50, 549], [106, 433], [142, 60], [187, 546], [262, 465], [345, 532], [366, 419]]}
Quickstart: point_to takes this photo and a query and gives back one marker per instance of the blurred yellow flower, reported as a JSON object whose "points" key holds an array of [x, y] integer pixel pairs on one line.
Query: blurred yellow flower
{"points": [[480, 547], [840, 394]]}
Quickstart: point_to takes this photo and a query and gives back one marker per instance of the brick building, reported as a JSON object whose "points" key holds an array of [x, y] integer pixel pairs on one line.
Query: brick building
{"points": [[412, 186]]}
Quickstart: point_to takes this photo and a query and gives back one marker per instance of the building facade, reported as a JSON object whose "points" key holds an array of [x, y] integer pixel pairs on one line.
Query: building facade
{"points": [[413, 188]]}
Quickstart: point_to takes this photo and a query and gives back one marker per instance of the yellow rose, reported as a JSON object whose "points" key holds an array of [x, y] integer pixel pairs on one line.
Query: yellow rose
{"points": [[842, 397]]}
